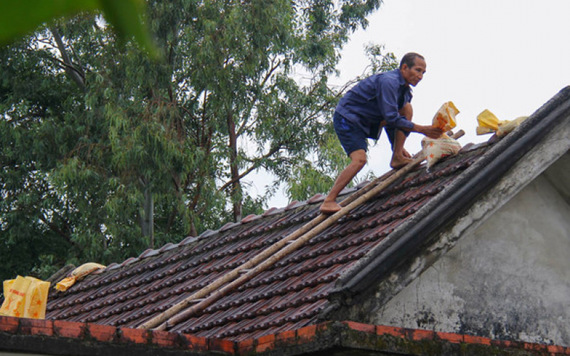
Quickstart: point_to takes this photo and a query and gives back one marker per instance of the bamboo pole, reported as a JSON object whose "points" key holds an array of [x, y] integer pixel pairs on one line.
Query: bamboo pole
{"points": [[216, 295], [273, 253], [231, 275]]}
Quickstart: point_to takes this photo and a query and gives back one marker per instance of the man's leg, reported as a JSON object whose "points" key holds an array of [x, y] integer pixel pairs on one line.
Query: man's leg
{"points": [[358, 160], [401, 157]]}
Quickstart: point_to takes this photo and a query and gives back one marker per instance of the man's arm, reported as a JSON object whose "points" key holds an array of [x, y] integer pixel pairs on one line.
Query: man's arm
{"points": [[388, 104], [401, 119], [429, 131]]}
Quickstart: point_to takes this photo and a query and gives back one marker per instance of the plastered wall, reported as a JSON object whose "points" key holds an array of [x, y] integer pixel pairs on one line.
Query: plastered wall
{"points": [[507, 279]]}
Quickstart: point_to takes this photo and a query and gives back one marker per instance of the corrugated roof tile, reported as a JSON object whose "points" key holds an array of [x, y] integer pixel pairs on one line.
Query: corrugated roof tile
{"points": [[283, 297]]}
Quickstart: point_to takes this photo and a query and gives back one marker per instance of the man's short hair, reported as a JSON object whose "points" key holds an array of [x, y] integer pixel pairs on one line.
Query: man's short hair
{"points": [[409, 59]]}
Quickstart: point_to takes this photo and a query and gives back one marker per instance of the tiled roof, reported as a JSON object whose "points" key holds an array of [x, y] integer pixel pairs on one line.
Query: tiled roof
{"points": [[287, 296], [299, 290]]}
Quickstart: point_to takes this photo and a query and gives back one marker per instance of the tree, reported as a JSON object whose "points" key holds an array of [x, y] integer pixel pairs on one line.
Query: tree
{"points": [[100, 142]]}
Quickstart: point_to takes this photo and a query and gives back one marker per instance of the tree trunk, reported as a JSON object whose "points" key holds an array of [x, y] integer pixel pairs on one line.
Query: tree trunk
{"points": [[147, 223], [235, 194]]}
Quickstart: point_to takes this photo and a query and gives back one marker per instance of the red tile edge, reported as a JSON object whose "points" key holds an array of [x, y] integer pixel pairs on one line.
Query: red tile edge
{"points": [[324, 326], [194, 343], [469, 339], [286, 337], [419, 334], [450, 337], [506, 344], [246, 347], [558, 350], [164, 339], [307, 334], [36, 327], [104, 333], [69, 329], [9, 324], [282, 339], [390, 330], [367, 328], [134, 336], [222, 346], [265, 343], [535, 347]]}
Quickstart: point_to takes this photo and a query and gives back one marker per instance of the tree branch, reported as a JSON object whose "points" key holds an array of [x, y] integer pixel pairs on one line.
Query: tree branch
{"points": [[76, 75], [254, 166], [56, 229], [268, 75]]}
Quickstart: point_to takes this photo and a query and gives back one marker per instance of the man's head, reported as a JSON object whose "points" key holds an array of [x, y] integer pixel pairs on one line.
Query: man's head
{"points": [[413, 67]]}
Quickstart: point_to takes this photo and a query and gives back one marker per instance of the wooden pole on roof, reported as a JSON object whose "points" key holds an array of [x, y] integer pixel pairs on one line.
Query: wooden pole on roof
{"points": [[274, 253]]}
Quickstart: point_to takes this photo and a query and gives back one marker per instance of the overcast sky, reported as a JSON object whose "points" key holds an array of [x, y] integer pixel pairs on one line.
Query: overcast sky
{"points": [[508, 56]]}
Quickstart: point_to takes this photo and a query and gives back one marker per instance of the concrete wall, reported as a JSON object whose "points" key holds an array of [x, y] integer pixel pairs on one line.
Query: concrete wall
{"points": [[507, 279]]}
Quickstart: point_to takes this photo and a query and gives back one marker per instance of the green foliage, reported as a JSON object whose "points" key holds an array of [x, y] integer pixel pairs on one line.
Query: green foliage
{"points": [[90, 129], [380, 61], [19, 18]]}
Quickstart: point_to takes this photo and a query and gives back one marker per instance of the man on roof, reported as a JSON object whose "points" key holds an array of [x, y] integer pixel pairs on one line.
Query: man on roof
{"points": [[379, 101]]}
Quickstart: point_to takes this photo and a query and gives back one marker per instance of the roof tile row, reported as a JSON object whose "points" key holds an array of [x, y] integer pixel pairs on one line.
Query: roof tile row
{"points": [[293, 291]]}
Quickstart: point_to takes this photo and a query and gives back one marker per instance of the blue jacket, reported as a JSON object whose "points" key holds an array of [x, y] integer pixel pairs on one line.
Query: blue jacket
{"points": [[376, 98]]}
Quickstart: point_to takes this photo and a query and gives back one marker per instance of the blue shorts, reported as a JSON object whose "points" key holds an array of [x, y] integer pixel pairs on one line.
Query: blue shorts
{"points": [[391, 133], [351, 138]]}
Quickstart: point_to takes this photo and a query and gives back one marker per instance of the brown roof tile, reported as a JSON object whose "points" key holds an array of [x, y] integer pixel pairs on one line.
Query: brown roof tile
{"points": [[294, 291]]}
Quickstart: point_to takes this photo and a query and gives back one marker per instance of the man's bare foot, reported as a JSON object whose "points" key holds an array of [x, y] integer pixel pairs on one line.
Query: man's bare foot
{"points": [[399, 162], [329, 208]]}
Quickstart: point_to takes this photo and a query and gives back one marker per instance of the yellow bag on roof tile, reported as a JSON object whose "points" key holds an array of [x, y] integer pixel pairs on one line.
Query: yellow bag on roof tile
{"points": [[445, 117], [489, 123], [25, 297], [509, 126], [78, 274]]}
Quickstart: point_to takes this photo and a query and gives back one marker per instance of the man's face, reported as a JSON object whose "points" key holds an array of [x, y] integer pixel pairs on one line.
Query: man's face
{"points": [[414, 74]]}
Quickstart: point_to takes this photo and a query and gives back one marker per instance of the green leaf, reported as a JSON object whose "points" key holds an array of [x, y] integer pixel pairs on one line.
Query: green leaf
{"points": [[19, 18], [127, 18]]}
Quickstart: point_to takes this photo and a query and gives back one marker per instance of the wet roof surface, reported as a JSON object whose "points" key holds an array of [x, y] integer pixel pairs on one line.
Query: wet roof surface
{"points": [[287, 296]]}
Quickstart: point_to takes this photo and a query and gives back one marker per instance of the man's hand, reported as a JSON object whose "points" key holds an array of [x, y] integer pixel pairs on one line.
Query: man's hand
{"points": [[429, 131]]}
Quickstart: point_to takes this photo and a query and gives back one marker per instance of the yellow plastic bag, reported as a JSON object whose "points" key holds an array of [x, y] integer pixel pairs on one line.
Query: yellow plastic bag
{"points": [[36, 299], [509, 126], [445, 117], [14, 296], [78, 274], [25, 297], [489, 123], [436, 149]]}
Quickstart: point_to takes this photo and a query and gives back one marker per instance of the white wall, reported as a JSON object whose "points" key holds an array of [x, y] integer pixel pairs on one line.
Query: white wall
{"points": [[507, 279]]}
